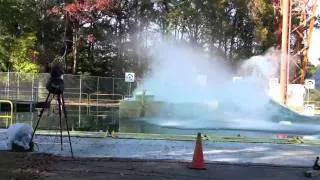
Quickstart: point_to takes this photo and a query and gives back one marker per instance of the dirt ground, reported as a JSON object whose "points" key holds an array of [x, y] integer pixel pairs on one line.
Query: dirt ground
{"points": [[27, 166]]}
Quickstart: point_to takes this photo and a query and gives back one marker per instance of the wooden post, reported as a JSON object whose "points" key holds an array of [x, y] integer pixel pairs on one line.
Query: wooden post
{"points": [[284, 52]]}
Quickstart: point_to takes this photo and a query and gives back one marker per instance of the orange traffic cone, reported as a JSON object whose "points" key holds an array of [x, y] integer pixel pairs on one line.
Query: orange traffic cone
{"points": [[198, 162]]}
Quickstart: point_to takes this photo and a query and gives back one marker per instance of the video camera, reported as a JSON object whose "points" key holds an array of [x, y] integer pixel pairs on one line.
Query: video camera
{"points": [[55, 85]]}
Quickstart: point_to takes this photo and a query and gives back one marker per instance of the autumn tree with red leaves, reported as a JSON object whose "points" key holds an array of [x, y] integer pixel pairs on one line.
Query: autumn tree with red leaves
{"points": [[77, 14]]}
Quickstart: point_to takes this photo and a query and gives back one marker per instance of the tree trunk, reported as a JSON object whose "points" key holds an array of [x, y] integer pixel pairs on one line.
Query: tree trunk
{"points": [[164, 20], [74, 49]]}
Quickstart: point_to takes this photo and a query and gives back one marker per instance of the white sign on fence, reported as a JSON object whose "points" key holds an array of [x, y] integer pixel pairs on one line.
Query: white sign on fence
{"points": [[309, 109], [310, 83], [129, 77]]}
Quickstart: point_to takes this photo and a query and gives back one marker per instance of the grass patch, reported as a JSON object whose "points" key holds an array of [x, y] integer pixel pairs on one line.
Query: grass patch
{"points": [[209, 138], [176, 137]]}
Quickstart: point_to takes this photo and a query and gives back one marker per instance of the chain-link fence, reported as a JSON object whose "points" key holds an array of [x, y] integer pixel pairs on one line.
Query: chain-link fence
{"points": [[92, 101], [31, 87]]}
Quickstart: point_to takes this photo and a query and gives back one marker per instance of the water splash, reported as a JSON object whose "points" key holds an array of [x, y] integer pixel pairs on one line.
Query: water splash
{"points": [[201, 89]]}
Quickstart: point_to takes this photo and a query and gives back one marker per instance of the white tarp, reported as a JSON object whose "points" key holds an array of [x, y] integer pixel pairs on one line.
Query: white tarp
{"points": [[20, 134]]}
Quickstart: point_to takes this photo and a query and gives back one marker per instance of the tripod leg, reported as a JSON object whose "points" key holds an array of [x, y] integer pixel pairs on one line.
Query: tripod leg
{"points": [[60, 109], [65, 116], [41, 113]]}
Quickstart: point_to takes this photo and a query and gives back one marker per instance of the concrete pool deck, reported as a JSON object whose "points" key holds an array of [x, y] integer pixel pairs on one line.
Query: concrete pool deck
{"points": [[300, 155]]}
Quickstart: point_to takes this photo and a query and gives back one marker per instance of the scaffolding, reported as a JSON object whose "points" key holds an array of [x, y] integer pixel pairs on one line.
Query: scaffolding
{"points": [[294, 23]]}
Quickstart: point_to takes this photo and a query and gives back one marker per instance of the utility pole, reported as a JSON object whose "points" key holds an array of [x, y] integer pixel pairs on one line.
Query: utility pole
{"points": [[284, 52]]}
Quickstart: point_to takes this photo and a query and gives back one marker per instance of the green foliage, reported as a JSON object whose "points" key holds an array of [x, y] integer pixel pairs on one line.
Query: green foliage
{"points": [[261, 12], [22, 57], [17, 26], [312, 70], [5, 42], [233, 30]]}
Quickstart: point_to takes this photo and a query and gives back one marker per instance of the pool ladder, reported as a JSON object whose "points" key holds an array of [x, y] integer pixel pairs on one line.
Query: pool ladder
{"points": [[8, 116]]}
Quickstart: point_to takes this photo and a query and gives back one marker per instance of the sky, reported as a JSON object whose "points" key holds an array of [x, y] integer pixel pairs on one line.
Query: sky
{"points": [[314, 52]]}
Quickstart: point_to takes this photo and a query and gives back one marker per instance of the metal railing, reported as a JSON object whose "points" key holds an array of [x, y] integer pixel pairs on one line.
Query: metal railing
{"points": [[11, 112], [113, 98]]}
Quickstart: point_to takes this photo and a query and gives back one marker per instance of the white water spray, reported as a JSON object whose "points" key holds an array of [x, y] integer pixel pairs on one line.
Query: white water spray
{"points": [[177, 70], [201, 93]]}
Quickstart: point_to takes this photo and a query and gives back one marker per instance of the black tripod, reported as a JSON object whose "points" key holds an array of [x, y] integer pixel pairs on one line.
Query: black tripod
{"points": [[62, 107], [55, 86]]}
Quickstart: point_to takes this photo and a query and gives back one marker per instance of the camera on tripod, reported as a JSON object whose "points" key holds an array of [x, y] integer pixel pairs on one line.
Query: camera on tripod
{"points": [[55, 87], [55, 84]]}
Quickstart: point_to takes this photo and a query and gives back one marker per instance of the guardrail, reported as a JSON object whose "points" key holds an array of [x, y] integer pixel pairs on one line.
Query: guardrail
{"points": [[11, 112]]}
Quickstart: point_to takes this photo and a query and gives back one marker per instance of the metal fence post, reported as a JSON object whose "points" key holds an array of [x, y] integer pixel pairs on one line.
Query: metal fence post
{"points": [[112, 85], [32, 92], [97, 100], [80, 100], [8, 90], [32, 100], [18, 86], [17, 92]]}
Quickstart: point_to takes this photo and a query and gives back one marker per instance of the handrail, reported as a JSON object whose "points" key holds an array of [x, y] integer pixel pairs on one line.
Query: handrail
{"points": [[71, 93], [46, 88], [11, 112], [12, 88], [98, 94], [88, 98], [104, 100], [86, 95], [113, 95]]}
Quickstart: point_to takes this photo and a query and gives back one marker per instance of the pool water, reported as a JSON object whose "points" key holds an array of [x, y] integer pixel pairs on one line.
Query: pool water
{"points": [[86, 120]]}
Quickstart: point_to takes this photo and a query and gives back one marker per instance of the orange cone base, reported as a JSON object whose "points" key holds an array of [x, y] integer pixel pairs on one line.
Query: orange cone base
{"points": [[190, 166]]}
